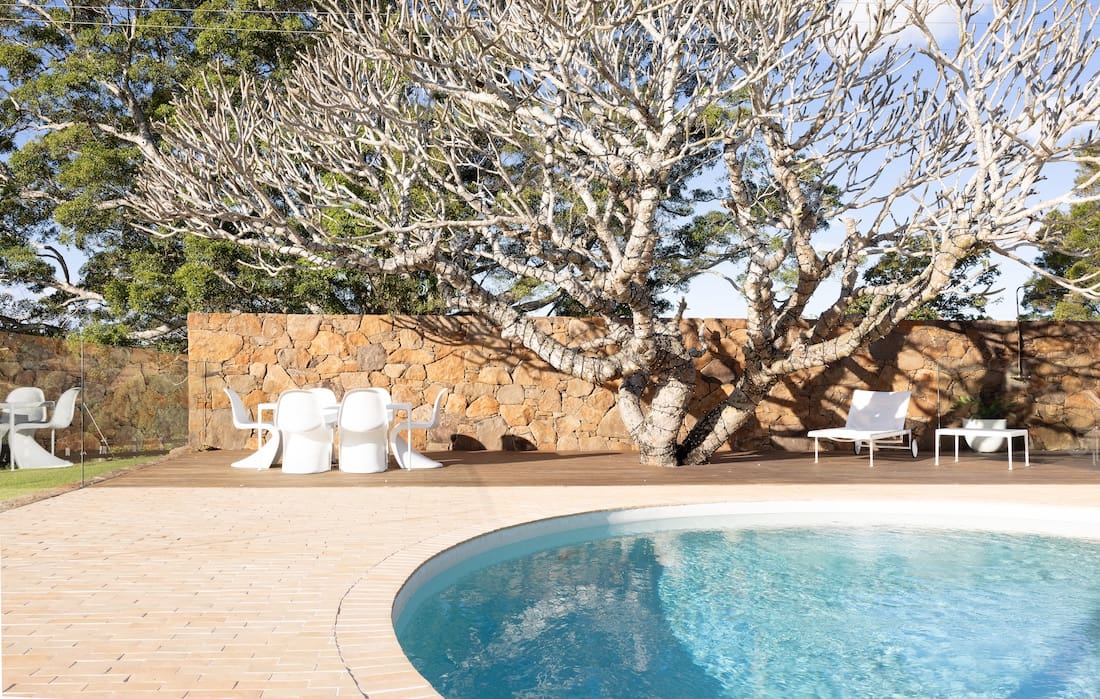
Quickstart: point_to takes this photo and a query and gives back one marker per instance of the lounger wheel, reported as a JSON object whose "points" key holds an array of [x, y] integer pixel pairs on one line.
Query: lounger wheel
{"points": [[913, 448], [856, 447]]}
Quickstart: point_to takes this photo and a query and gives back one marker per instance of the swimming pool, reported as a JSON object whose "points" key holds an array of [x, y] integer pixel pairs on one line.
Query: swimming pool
{"points": [[716, 602]]}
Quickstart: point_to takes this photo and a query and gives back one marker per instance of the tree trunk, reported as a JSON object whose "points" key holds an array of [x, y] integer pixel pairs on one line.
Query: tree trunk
{"points": [[714, 430], [656, 430]]}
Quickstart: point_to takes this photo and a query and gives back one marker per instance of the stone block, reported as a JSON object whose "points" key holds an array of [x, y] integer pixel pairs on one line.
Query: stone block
{"points": [[244, 324], [303, 328], [289, 358], [611, 426], [483, 406], [516, 415], [326, 342], [449, 371], [495, 375], [370, 358], [490, 433], [578, 388], [411, 356], [511, 395]]}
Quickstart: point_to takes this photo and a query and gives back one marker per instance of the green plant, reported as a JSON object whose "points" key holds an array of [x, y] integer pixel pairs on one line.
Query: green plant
{"points": [[983, 407], [14, 484]]}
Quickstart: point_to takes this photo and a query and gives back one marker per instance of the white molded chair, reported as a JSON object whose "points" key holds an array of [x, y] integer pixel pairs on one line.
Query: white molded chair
{"points": [[265, 452], [25, 452], [325, 396], [23, 394], [28, 394], [364, 424], [874, 417], [406, 456], [307, 439], [1094, 433]]}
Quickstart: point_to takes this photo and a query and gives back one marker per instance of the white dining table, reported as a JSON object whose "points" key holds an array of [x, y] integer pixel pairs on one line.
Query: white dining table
{"points": [[331, 413]]}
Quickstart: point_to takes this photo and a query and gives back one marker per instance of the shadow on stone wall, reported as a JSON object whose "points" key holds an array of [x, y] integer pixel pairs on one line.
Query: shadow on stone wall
{"points": [[503, 397]]}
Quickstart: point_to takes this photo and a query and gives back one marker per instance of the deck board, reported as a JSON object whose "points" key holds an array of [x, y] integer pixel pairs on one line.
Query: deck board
{"points": [[479, 468]]}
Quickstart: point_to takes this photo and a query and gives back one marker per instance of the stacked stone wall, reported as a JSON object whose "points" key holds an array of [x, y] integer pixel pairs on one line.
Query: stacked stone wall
{"points": [[136, 399], [504, 398]]}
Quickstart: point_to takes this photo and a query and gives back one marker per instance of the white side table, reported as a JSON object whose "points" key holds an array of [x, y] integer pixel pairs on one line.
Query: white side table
{"points": [[1008, 434]]}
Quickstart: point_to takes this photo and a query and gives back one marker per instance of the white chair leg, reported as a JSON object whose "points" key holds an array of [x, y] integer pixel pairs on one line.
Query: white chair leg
{"points": [[26, 453], [263, 457]]}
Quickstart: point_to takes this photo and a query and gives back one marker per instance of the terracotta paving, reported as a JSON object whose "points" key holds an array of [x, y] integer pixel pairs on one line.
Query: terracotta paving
{"points": [[192, 579]]}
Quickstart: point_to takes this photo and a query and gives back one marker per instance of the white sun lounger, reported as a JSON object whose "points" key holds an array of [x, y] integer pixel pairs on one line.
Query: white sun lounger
{"points": [[876, 418]]}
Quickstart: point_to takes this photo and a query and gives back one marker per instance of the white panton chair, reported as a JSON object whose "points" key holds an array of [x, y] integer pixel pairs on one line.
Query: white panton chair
{"points": [[363, 425], [406, 456], [307, 438], [265, 452]]}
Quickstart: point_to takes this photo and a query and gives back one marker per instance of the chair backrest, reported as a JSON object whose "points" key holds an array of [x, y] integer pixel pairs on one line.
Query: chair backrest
{"points": [[65, 409], [325, 396], [28, 394], [298, 411], [434, 419], [878, 410], [241, 418], [364, 410]]}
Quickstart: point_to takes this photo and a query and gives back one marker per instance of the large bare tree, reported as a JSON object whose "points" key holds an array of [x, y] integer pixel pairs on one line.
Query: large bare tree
{"points": [[533, 144]]}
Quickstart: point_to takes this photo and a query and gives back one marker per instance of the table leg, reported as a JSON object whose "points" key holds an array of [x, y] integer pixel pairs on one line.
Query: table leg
{"points": [[936, 462], [1027, 451], [1010, 453], [956, 448]]}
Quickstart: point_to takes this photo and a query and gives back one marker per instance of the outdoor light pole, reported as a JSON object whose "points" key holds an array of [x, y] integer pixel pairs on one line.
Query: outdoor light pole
{"points": [[1020, 335], [83, 406]]}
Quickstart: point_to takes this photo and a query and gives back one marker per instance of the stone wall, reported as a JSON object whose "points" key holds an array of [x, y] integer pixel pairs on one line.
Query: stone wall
{"points": [[505, 398], [136, 398]]}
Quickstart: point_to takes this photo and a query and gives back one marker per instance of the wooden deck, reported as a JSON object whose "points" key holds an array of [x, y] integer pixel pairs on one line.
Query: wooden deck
{"points": [[484, 468]]}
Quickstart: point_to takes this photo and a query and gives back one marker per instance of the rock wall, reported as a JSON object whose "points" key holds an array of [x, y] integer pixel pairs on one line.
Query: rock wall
{"points": [[136, 398], [503, 397]]}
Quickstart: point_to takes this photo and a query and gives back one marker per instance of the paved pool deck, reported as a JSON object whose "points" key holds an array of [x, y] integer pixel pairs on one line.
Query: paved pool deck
{"points": [[189, 578]]}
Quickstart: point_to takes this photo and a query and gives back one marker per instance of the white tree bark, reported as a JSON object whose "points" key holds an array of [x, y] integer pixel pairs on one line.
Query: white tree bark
{"points": [[538, 140]]}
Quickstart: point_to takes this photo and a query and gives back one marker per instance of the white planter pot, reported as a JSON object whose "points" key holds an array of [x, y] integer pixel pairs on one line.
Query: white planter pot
{"points": [[985, 444]]}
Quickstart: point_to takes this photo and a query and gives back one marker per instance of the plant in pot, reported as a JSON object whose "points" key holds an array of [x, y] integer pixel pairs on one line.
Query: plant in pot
{"points": [[986, 413]]}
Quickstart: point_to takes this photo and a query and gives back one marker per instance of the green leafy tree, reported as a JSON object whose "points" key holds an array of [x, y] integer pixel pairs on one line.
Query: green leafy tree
{"points": [[965, 299], [84, 87], [1078, 258]]}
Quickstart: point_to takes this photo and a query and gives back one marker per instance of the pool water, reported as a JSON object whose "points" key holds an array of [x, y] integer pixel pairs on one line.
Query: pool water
{"points": [[780, 612]]}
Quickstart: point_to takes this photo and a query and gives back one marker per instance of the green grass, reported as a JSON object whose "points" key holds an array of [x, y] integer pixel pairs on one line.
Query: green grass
{"points": [[14, 484]]}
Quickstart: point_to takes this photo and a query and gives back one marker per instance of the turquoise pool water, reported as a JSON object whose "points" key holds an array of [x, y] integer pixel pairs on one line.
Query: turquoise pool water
{"points": [[771, 612]]}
